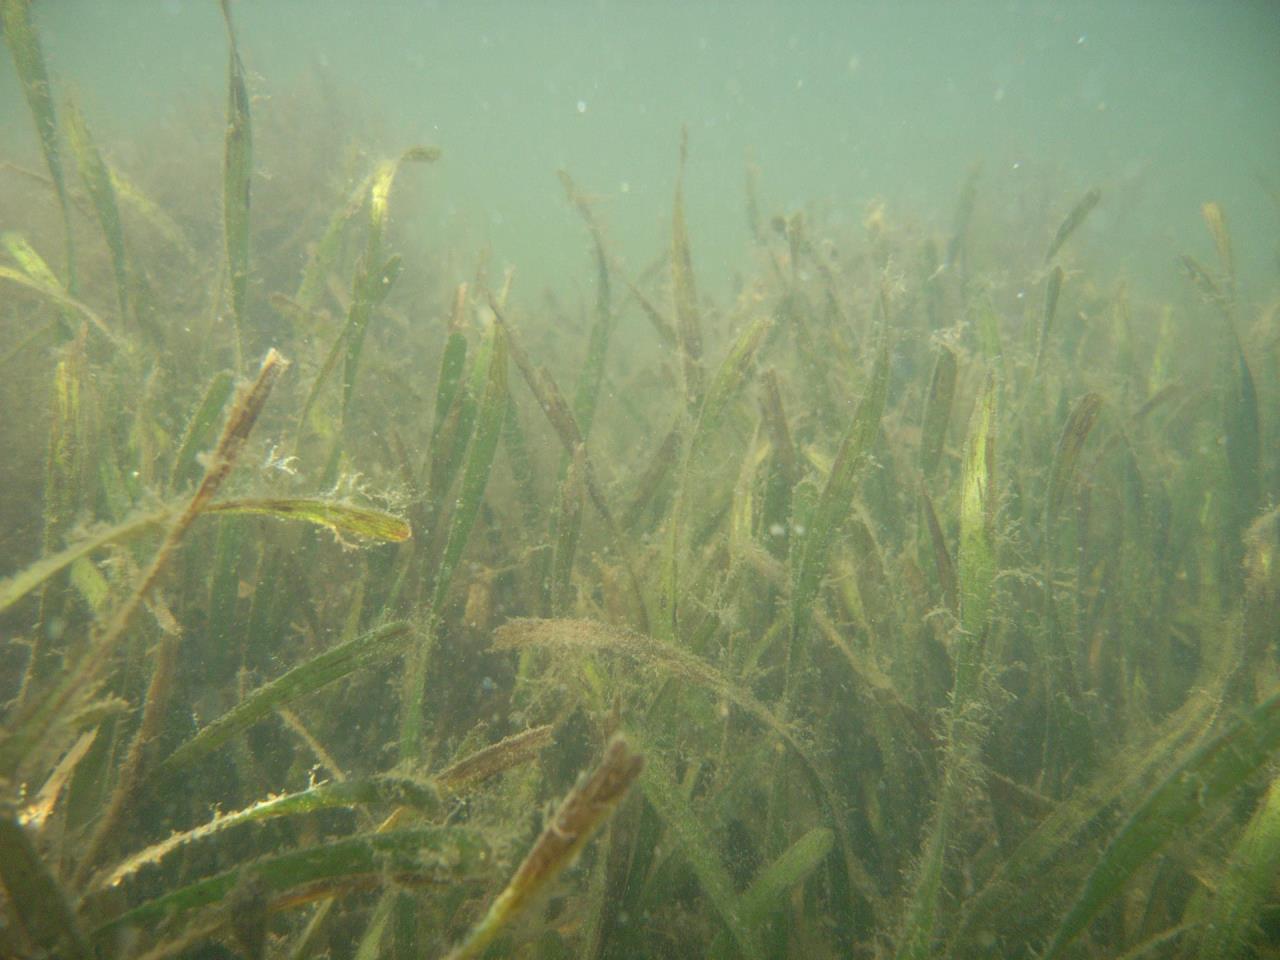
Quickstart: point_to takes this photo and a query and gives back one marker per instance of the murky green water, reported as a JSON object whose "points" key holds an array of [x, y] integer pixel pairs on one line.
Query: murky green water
{"points": [[639, 480]]}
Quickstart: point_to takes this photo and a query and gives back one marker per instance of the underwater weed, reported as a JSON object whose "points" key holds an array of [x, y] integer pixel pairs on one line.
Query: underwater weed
{"points": [[24, 46], [97, 180], [237, 182], [896, 700]]}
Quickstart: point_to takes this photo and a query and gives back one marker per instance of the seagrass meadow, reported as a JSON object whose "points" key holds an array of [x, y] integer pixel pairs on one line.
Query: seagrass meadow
{"points": [[909, 589]]}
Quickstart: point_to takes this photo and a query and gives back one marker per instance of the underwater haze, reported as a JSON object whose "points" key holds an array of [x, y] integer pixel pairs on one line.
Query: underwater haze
{"points": [[639, 480], [1161, 104]]}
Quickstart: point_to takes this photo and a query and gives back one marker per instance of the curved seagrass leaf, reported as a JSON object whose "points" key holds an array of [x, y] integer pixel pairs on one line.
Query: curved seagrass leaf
{"points": [[1242, 436], [475, 479], [34, 897], [1216, 221], [341, 661], [479, 463], [729, 378], [814, 547], [977, 515], [582, 812], [1052, 291], [24, 45], [692, 836], [568, 526], [1013, 901], [1074, 433], [236, 179], [371, 941], [418, 856], [768, 890], [770, 886], [683, 291], [131, 196], [20, 584], [59, 298], [1245, 884], [466, 773], [453, 362], [937, 410], [201, 427], [1084, 206], [97, 182], [1209, 776], [592, 375], [27, 257], [374, 275], [373, 278], [362, 522], [389, 789], [455, 407], [326, 250], [583, 636]]}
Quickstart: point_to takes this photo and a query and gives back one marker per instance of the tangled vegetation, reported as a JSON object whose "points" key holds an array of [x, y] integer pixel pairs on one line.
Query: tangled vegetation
{"points": [[921, 600]]}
